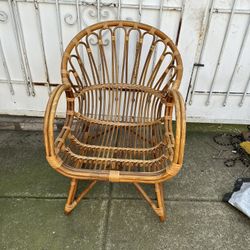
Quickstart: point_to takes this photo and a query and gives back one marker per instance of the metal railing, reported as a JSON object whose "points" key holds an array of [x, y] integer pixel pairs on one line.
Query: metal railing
{"points": [[206, 25], [98, 10]]}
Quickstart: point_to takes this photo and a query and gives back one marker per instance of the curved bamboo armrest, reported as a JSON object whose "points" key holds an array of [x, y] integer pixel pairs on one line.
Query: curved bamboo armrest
{"points": [[176, 100], [49, 118]]}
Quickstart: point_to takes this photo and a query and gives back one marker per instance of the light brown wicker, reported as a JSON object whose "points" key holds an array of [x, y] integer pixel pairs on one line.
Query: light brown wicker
{"points": [[121, 82]]}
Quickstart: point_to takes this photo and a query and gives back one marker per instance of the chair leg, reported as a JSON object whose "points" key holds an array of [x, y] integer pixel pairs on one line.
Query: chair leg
{"points": [[160, 200], [72, 201], [159, 208], [70, 205]]}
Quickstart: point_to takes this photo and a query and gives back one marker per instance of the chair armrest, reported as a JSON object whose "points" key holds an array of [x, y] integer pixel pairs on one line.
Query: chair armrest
{"points": [[176, 101], [49, 118]]}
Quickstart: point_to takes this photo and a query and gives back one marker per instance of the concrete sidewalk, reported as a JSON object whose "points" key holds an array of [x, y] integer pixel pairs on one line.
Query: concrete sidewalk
{"points": [[113, 216]]}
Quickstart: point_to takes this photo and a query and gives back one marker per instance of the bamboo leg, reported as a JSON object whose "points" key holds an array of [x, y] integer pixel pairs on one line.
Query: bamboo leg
{"points": [[69, 206], [160, 200], [72, 201], [160, 207]]}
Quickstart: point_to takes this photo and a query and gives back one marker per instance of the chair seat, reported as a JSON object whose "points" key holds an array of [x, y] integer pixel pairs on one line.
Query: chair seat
{"points": [[106, 145]]}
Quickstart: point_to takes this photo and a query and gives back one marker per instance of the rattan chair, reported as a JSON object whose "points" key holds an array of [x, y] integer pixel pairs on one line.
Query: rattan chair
{"points": [[121, 83]]}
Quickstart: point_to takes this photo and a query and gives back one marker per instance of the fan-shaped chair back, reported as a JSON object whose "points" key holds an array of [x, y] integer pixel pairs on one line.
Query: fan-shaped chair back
{"points": [[107, 58]]}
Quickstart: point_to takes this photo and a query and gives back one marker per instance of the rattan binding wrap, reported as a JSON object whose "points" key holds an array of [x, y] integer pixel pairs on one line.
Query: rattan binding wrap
{"points": [[121, 83]]}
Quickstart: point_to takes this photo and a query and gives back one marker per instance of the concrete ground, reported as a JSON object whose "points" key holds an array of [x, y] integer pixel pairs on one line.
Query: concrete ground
{"points": [[113, 216]]}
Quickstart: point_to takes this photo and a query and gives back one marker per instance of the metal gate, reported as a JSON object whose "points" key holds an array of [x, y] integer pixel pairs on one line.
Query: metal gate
{"points": [[220, 78], [212, 35]]}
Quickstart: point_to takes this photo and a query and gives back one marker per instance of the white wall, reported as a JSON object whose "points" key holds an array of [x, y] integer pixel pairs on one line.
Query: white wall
{"points": [[201, 41]]}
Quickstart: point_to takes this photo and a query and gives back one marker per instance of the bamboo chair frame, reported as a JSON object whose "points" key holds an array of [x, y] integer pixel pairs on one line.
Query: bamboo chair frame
{"points": [[116, 108]]}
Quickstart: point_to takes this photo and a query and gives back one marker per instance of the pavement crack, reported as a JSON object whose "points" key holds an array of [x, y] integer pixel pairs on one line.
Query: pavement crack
{"points": [[109, 199], [106, 225]]}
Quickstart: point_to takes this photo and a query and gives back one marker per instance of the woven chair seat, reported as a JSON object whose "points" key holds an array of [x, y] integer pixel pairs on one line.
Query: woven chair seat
{"points": [[111, 148], [104, 141], [121, 81]]}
